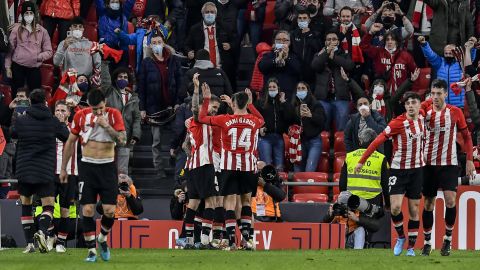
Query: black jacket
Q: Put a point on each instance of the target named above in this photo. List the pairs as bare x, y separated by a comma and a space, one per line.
277, 116
375, 121
216, 79
36, 132
313, 126
305, 45
183, 112
227, 17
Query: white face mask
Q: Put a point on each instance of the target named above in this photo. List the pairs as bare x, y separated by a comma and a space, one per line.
364, 108
77, 33
115, 6
28, 18
378, 90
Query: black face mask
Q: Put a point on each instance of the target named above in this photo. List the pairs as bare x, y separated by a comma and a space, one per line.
449, 59
388, 21
312, 9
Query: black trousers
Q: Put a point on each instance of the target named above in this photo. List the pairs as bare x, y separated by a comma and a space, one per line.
51, 24
22, 74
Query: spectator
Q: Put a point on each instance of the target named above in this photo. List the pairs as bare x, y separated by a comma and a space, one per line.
319, 23
214, 38
305, 43
74, 51
113, 14
158, 87
177, 156
473, 99
448, 68
179, 201
20, 103
349, 35
265, 206
6, 158
177, 14
391, 63
29, 47
452, 23
119, 96
282, 64
227, 16
250, 18
276, 112
420, 14
256, 84
129, 203
56, 14
388, 13
365, 118
285, 13
330, 89
194, 14
310, 115
359, 8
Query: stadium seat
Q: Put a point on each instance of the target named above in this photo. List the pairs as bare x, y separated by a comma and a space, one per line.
92, 14
13, 195
48, 91
335, 197
269, 25
336, 179
55, 40
323, 163
422, 84
338, 163
91, 31
325, 135
132, 56
339, 142
283, 176
7, 93
46, 71
310, 177
310, 198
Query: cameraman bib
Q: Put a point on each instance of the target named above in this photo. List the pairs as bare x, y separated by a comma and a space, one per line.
366, 184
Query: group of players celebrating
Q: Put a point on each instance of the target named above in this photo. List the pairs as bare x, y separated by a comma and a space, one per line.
424, 160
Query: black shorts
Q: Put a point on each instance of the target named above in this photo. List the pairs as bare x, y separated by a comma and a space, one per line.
440, 177
42, 190
201, 182
406, 181
66, 192
99, 179
237, 183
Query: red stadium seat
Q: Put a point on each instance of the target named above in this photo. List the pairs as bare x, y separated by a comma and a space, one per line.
310, 177
287, 143
46, 71
283, 176
131, 28
310, 198
7, 94
422, 84
325, 142
269, 25
48, 92
335, 197
132, 56
338, 164
13, 195
55, 40
339, 142
336, 179
92, 14
91, 31
323, 163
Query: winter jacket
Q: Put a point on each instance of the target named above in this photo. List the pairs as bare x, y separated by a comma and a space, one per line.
393, 68
323, 67
137, 40
183, 112
449, 72
332, 7
216, 79
61, 9
375, 121
77, 56
257, 81
313, 126
405, 31
29, 49
149, 85
107, 23
36, 132
287, 76
305, 45
277, 115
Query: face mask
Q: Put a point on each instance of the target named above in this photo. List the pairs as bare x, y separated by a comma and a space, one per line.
450, 59
278, 46
77, 33
302, 25
302, 95
312, 9
115, 6
347, 24
157, 49
209, 18
364, 107
121, 84
391, 51
83, 86
28, 19
273, 94
378, 90
223, 2
388, 21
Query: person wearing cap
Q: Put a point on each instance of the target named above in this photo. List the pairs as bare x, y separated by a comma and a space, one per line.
30, 46
159, 80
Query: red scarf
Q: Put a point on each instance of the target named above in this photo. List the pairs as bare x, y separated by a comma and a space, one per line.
378, 104
357, 55
107, 51
418, 13
295, 147
67, 89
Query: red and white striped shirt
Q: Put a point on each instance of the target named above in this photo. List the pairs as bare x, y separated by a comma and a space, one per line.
201, 139
441, 135
84, 124
408, 139
239, 137
72, 168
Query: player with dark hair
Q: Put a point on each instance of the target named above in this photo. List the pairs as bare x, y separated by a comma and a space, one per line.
238, 162
442, 122
100, 128
406, 173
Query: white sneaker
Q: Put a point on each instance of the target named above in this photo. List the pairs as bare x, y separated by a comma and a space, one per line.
50, 243
29, 249
60, 249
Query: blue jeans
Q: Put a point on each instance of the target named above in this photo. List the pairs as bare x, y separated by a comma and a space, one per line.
338, 108
255, 28
271, 149
311, 151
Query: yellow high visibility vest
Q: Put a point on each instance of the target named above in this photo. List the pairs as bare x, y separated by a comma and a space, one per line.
56, 211
365, 184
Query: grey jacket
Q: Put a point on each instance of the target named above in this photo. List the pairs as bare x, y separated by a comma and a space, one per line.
77, 56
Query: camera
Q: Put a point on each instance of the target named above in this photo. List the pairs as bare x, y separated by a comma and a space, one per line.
124, 186
469, 181
347, 201
340, 209
269, 174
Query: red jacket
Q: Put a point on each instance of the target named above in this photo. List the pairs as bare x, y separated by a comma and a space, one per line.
62, 9
256, 83
403, 62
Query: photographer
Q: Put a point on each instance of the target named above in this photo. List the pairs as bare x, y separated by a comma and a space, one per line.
129, 204
179, 200
21, 101
265, 206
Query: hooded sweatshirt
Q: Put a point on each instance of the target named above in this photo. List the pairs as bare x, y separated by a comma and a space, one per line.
77, 56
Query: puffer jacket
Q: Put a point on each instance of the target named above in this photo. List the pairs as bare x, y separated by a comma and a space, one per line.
36, 132
107, 24
216, 79
449, 72
256, 83
277, 115
61, 9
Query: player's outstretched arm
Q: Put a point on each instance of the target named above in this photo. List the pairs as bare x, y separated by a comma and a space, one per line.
252, 108
373, 146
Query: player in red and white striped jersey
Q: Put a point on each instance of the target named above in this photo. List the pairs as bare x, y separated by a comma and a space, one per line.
442, 122
201, 170
406, 174
238, 162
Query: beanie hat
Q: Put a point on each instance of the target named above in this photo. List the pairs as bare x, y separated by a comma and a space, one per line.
28, 6
202, 54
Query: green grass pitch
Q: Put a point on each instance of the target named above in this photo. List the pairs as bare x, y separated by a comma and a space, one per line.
141, 259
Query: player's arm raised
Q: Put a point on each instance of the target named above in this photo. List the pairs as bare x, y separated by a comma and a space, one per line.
196, 96
203, 116
252, 108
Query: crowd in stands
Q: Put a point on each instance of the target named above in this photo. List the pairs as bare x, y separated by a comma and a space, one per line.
324, 70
